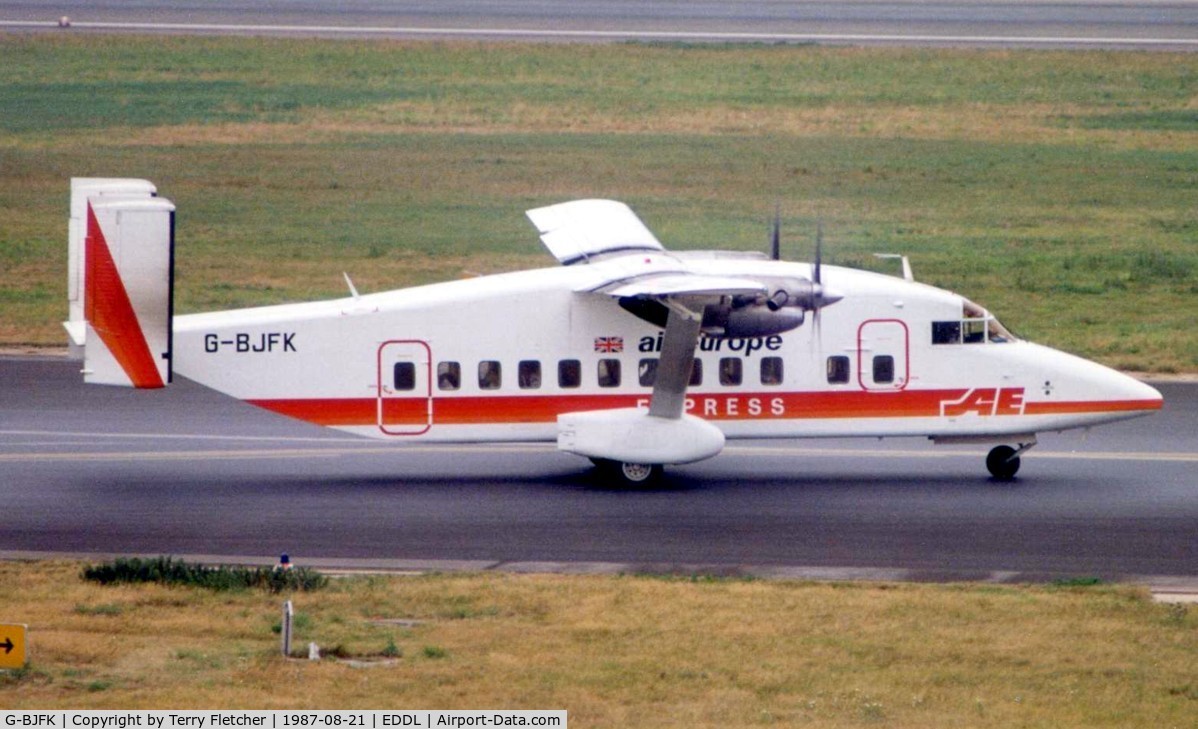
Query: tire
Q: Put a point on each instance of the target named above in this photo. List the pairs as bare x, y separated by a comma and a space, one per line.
1001, 463
639, 474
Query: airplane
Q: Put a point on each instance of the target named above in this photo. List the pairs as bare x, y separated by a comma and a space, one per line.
627, 354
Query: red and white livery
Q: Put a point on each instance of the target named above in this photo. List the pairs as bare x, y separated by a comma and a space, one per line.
627, 354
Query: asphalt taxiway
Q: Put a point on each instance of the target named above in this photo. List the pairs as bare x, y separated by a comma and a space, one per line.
89, 471
1145, 24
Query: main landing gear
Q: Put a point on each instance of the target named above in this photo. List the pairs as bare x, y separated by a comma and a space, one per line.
631, 475
1003, 461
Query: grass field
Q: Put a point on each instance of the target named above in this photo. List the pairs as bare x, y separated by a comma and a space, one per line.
618, 651
1056, 188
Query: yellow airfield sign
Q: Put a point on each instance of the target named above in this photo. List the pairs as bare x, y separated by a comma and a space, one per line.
12, 645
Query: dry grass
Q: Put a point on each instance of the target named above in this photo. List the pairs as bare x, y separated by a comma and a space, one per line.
980, 122
618, 651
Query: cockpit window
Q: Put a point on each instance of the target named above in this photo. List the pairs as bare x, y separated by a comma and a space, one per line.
976, 326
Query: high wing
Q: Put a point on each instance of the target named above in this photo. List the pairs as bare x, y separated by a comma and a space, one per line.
577, 231
632, 266
582, 231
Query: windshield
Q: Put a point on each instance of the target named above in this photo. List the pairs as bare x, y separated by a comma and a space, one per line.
976, 326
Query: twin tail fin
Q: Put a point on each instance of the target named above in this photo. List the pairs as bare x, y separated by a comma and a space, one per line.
120, 281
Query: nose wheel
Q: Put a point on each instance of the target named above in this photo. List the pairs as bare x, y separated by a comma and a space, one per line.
1003, 461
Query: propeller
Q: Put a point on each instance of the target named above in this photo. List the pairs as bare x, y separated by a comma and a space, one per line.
795, 293
820, 295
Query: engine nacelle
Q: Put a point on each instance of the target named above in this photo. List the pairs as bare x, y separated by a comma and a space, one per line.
750, 321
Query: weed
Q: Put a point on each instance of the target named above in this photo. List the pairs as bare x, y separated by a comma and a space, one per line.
1175, 613
1188, 691
392, 650
1078, 582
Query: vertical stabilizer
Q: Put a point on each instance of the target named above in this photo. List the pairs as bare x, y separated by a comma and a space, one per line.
84, 189
126, 252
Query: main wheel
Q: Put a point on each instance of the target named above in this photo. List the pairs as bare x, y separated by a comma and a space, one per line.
639, 474
1002, 463
629, 474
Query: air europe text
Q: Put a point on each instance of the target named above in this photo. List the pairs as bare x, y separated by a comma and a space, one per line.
747, 345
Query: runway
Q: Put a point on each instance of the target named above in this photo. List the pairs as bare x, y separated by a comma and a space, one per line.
1143, 24
183, 471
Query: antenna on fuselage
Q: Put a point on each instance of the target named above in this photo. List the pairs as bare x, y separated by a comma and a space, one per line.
907, 273
352, 290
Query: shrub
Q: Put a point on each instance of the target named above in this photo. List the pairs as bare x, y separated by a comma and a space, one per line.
169, 571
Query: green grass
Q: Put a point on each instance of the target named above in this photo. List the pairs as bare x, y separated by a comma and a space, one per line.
1056, 188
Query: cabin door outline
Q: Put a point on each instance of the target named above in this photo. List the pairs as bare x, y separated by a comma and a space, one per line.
405, 387
881, 338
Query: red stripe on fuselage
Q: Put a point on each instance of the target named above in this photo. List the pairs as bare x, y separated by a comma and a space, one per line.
1090, 406
107, 308
500, 409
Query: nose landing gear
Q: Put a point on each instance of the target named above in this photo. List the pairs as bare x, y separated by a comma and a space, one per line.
1003, 461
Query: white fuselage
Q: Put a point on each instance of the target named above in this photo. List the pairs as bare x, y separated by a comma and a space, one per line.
498, 358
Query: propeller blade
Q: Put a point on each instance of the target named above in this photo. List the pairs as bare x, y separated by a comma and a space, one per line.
819, 248
776, 237
817, 275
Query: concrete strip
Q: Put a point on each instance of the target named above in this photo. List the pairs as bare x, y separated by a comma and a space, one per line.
1164, 588
615, 35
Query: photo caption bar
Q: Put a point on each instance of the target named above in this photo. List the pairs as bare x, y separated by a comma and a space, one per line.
145, 719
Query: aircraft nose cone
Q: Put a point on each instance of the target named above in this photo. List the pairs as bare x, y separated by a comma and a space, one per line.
1092, 392
1124, 393
1135, 390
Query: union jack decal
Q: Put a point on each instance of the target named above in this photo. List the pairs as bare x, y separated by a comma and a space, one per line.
609, 344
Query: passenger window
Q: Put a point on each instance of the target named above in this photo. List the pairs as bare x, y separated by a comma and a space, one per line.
404, 376
528, 374
771, 370
569, 373
838, 370
609, 373
449, 375
946, 332
489, 375
646, 372
731, 371
883, 369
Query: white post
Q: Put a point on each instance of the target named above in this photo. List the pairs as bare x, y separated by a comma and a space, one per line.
287, 612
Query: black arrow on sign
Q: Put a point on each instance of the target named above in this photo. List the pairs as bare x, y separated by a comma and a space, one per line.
7, 645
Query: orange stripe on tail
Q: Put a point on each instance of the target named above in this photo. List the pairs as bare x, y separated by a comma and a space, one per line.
108, 309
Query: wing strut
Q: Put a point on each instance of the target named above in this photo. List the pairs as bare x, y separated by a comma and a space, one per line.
677, 360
